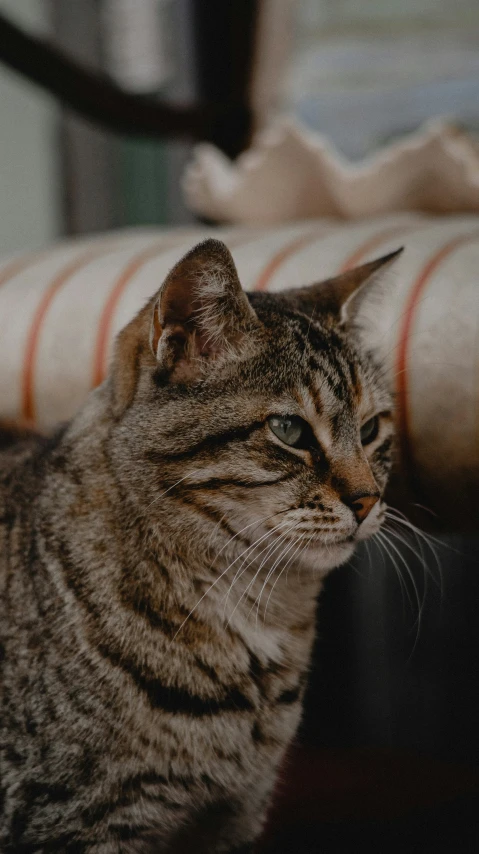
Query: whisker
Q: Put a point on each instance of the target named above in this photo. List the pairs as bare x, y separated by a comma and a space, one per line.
290, 559
428, 539
307, 335
368, 552
252, 548
283, 554
409, 572
208, 543
250, 584
353, 563
222, 574
414, 585
281, 572
190, 474
270, 573
246, 528
403, 520
383, 542
423, 507
421, 557
377, 543
242, 569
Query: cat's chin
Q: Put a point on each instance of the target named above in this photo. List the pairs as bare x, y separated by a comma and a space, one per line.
324, 558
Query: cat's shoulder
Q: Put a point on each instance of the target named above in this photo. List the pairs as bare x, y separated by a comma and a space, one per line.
18, 444
14, 435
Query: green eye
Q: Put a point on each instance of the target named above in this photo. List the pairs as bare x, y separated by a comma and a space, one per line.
370, 430
291, 430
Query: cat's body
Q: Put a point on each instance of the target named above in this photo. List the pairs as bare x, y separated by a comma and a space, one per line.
153, 658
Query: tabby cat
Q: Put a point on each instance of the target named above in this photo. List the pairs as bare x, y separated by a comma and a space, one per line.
154, 644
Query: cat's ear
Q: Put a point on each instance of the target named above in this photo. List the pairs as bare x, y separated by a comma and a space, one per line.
341, 297
201, 312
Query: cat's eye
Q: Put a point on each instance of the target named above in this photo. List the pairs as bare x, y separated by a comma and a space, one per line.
292, 430
370, 430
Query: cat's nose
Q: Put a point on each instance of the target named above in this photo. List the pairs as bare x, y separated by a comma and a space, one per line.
361, 504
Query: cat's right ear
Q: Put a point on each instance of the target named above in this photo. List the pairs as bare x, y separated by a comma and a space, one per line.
200, 315
343, 297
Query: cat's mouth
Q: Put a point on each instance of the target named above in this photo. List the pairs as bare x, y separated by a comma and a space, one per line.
339, 534
317, 538
332, 548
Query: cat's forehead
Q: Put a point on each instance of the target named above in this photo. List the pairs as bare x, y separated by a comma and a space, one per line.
313, 351
322, 367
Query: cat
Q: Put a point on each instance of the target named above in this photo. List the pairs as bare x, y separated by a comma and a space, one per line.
154, 649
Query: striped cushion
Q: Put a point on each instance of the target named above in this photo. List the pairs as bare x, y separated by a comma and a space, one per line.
60, 310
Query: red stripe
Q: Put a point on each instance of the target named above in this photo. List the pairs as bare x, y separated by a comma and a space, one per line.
280, 257
371, 244
18, 265
29, 363
405, 333
106, 319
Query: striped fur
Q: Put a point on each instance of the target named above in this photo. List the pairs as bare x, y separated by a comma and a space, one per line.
154, 648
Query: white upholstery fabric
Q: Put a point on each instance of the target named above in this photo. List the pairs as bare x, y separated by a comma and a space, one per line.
60, 310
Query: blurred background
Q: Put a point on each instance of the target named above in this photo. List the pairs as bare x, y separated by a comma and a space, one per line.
363, 72
390, 741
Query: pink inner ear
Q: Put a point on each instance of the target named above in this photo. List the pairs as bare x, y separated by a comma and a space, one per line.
178, 341
172, 317
176, 304
176, 318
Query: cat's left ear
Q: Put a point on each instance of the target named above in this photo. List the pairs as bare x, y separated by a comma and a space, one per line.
201, 313
341, 297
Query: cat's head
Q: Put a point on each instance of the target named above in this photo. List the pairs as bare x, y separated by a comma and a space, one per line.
255, 414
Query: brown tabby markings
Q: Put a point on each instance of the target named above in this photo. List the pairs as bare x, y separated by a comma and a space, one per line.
153, 648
